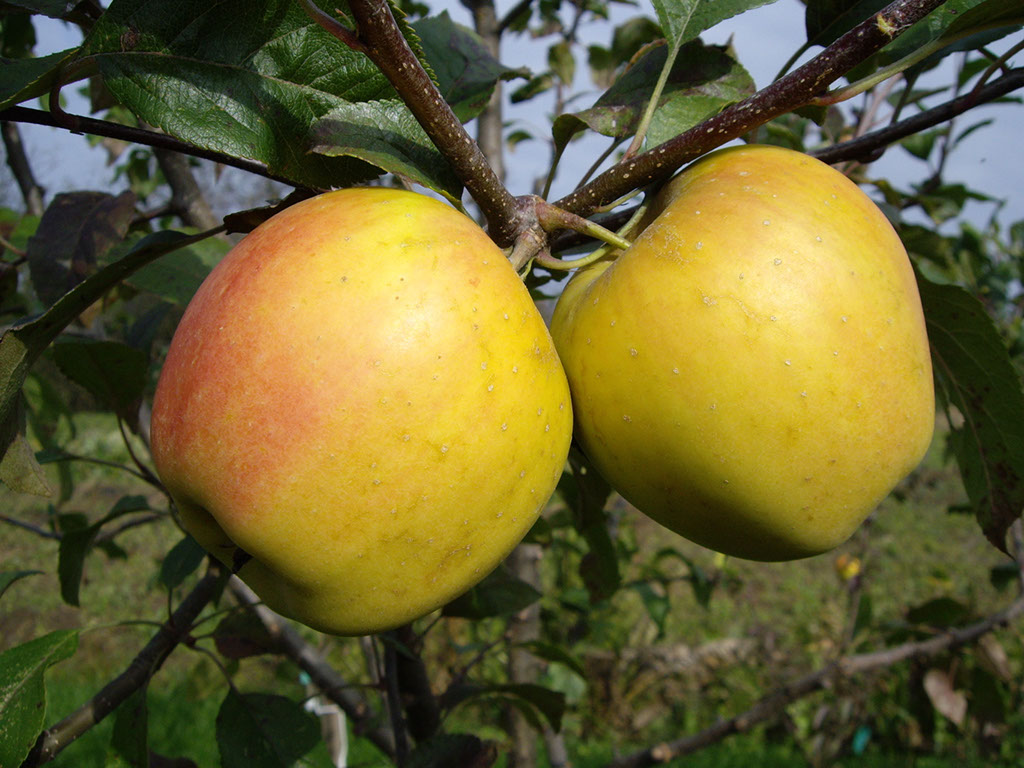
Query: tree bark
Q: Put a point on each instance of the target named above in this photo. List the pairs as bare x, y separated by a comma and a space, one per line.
17, 159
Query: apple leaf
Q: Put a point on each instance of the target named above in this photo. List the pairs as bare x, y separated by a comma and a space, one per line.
530, 699
957, 20
386, 134
585, 492
828, 20
702, 81
7, 578
941, 613
182, 561
112, 372
24, 79
258, 730
177, 276
683, 20
23, 691
450, 749
130, 736
252, 82
465, 69
241, 634
498, 594
975, 376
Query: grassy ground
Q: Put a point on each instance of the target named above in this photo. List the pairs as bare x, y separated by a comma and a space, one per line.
795, 616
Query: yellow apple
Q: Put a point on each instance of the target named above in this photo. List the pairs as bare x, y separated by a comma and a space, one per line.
363, 398
753, 373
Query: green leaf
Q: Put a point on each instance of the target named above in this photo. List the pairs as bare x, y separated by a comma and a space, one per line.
657, 604
130, 736
257, 730
498, 594
112, 372
529, 698
181, 562
241, 634
975, 376
683, 20
251, 81
828, 20
386, 134
562, 62
9, 577
23, 691
466, 70
585, 492
703, 80
20, 470
451, 749
554, 653
177, 276
24, 79
958, 20
74, 546
941, 612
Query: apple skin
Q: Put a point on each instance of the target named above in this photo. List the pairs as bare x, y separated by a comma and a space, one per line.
363, 397
753, 372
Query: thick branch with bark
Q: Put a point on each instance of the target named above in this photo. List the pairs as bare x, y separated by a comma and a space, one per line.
870, 145
379, 37
784, 95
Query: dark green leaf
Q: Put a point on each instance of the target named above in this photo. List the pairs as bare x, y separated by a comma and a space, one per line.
562, 62
703, 80
498, 594
20, 470
130, 737
447, 750
56, 9
827, 20
177, 276
9, 577
74, 546
865, 615
241, 634
975, 376
254, 89
112, 372
465, 69
529, 698
683, 20
533, 87
586, 493
386, 134
657, 604
257, 730
23, 691
181, 562
1002, 575
554, 653
941, 612
920, 145
956, 20
24, 79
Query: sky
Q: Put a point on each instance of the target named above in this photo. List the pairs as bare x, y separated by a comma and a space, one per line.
991, 160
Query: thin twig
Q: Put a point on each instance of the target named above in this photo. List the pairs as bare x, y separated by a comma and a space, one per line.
870, 145
134, 135
380, 38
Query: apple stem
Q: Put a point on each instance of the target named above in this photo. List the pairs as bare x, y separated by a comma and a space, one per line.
553, 218
608, 250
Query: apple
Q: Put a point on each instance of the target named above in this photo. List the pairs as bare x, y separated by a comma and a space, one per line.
753, 372
363, 398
